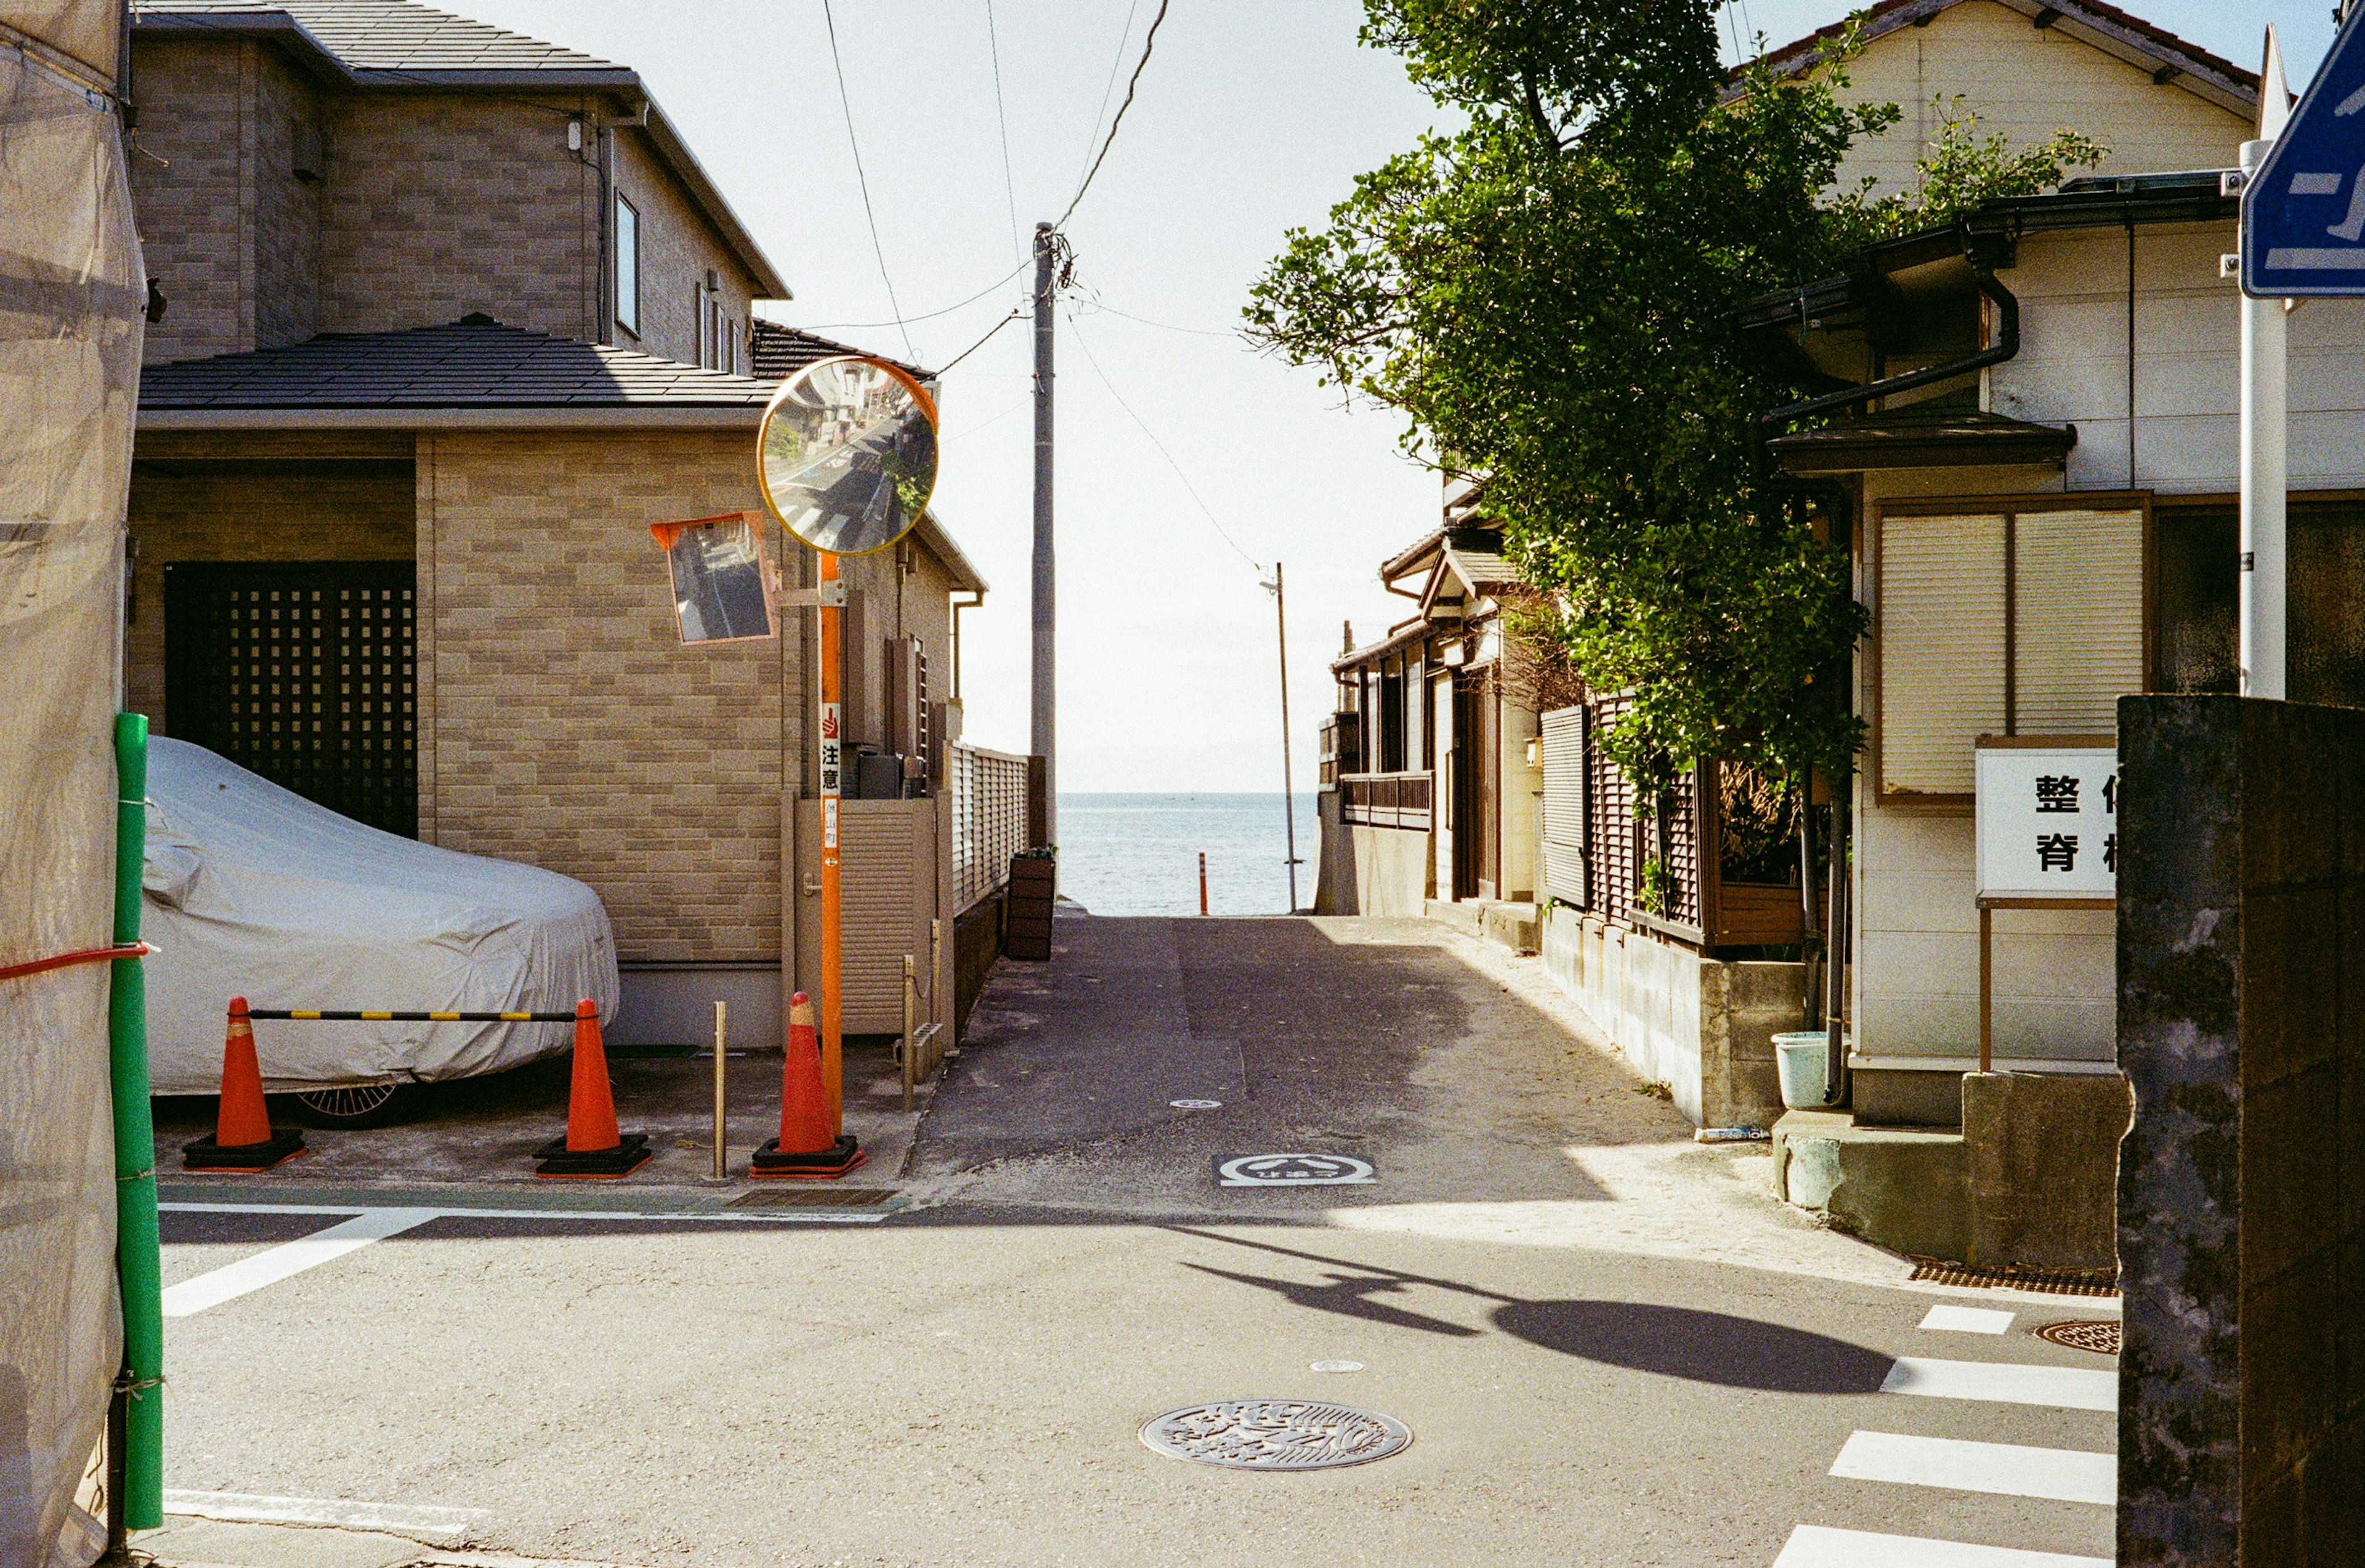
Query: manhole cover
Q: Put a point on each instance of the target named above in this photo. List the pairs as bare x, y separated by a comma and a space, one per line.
2099, 1335
1196, 1104
1291, 1170
1337, 1366
1276, 1434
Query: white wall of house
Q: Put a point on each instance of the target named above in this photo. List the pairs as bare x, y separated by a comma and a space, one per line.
1916, 972
2025, 83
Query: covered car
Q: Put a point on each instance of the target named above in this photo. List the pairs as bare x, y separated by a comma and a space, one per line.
254, 892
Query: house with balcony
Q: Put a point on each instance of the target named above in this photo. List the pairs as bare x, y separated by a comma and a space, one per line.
443, 318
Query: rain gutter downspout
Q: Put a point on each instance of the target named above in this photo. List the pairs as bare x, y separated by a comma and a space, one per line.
2006, 346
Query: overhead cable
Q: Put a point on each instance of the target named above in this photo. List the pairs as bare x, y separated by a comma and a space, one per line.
1009, 186
929, 315
1148, 42
1161, 445
846, 103
1014, 315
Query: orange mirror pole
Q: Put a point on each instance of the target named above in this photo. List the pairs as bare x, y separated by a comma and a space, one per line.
833, 931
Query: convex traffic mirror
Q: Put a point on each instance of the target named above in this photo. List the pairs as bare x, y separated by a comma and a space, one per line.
723, 585
846, 456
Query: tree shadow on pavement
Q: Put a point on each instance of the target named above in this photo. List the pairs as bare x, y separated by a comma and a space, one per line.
1673, 1341
1701, 1347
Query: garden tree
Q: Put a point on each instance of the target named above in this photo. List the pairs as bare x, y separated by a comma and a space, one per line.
1550, 295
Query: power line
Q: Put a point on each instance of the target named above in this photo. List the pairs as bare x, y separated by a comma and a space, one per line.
1100, 305
1014, 315
846, 103
1009, 186
930, 316
1161, 445
1148, 42
1116, 64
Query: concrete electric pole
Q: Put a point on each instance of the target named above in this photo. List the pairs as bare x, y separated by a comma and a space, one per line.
1044, 740
1288, 798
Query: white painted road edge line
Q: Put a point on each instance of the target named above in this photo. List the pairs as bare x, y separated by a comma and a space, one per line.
1815, 1546
268, 1268
2009, 1470
1967, 1319
2005, 1383
435, 1527
751, 1217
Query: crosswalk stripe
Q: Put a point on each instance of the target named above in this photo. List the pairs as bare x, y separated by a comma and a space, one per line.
268, 1268
2069, 1388
2066, 1475
1818, 1546
1967, 1320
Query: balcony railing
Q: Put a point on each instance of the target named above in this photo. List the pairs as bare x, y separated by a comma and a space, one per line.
1385, 800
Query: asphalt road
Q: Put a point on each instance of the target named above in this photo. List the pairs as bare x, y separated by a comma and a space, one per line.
1610, 1346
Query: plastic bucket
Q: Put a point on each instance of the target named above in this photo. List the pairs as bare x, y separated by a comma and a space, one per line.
1799, 1054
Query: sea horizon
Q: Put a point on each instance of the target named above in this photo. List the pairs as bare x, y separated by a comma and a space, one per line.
1135, 852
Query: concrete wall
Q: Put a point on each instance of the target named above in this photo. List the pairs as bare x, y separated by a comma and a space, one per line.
1703, 1027
1370, 870
2025, 84
2241, 1228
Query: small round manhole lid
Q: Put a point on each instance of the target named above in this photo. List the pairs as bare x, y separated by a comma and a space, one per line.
2099, 1335
1276, 1434
1196, 1104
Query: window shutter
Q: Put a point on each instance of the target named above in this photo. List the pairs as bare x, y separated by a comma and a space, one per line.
1942, 648
2078, 620
1563, 804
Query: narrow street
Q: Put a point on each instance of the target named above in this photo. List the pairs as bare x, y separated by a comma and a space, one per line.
1609, 1344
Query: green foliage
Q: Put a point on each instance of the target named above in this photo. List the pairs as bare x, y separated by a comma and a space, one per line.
1960, 171
1548, 294
1657, 889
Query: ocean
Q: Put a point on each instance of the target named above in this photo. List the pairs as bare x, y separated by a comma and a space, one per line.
1140, 854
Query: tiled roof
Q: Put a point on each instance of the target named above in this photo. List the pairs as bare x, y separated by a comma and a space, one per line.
476, 363
383, 34
2096, 18
780, 352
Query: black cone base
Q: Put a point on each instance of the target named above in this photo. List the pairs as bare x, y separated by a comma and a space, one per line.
768, 1163
632, 1152
284, 1144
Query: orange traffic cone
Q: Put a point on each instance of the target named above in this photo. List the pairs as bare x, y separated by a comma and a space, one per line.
592, 1148
806, 1146
243, 1137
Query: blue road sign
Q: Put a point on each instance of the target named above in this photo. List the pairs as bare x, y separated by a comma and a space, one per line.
2303, 212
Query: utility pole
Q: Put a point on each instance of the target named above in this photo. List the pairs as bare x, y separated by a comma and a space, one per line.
1288, 796
1044, 738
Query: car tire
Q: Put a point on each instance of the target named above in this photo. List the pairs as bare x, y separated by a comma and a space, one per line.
354, 1104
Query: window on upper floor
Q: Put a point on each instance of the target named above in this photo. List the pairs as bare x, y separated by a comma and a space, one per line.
628, 265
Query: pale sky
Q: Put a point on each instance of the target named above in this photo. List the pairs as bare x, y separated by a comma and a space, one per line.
1253, 116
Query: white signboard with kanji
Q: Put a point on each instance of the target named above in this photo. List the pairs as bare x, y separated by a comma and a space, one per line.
2047, 821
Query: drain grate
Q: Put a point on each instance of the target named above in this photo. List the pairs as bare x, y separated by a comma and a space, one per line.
815, 1198
1276, 1434
2055, 1281
2098, 1335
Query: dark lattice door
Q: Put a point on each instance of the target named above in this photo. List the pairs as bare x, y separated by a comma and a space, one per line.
302, 671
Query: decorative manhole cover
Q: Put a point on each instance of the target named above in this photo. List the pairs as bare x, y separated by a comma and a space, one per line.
1196, 1104
1276, 1434
1291, 1170
2099, 1335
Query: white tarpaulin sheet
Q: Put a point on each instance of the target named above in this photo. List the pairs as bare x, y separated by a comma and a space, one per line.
71, 288
255, 891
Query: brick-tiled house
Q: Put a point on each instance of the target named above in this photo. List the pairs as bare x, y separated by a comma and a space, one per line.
451, 316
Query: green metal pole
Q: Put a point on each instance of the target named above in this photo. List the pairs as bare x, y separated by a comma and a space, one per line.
136, 1262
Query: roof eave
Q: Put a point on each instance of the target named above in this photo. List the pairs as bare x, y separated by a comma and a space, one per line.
965, 578
670, 146
280, 25
486, 417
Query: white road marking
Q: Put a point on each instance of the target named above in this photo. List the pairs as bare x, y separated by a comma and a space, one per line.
2066, 1475
435, 1527
747, 1216
1967, 1319
2068, 1388
1816, 1546
268, 1268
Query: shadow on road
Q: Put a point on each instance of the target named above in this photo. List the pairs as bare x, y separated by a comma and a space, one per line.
1700, 1347
1349, 1295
